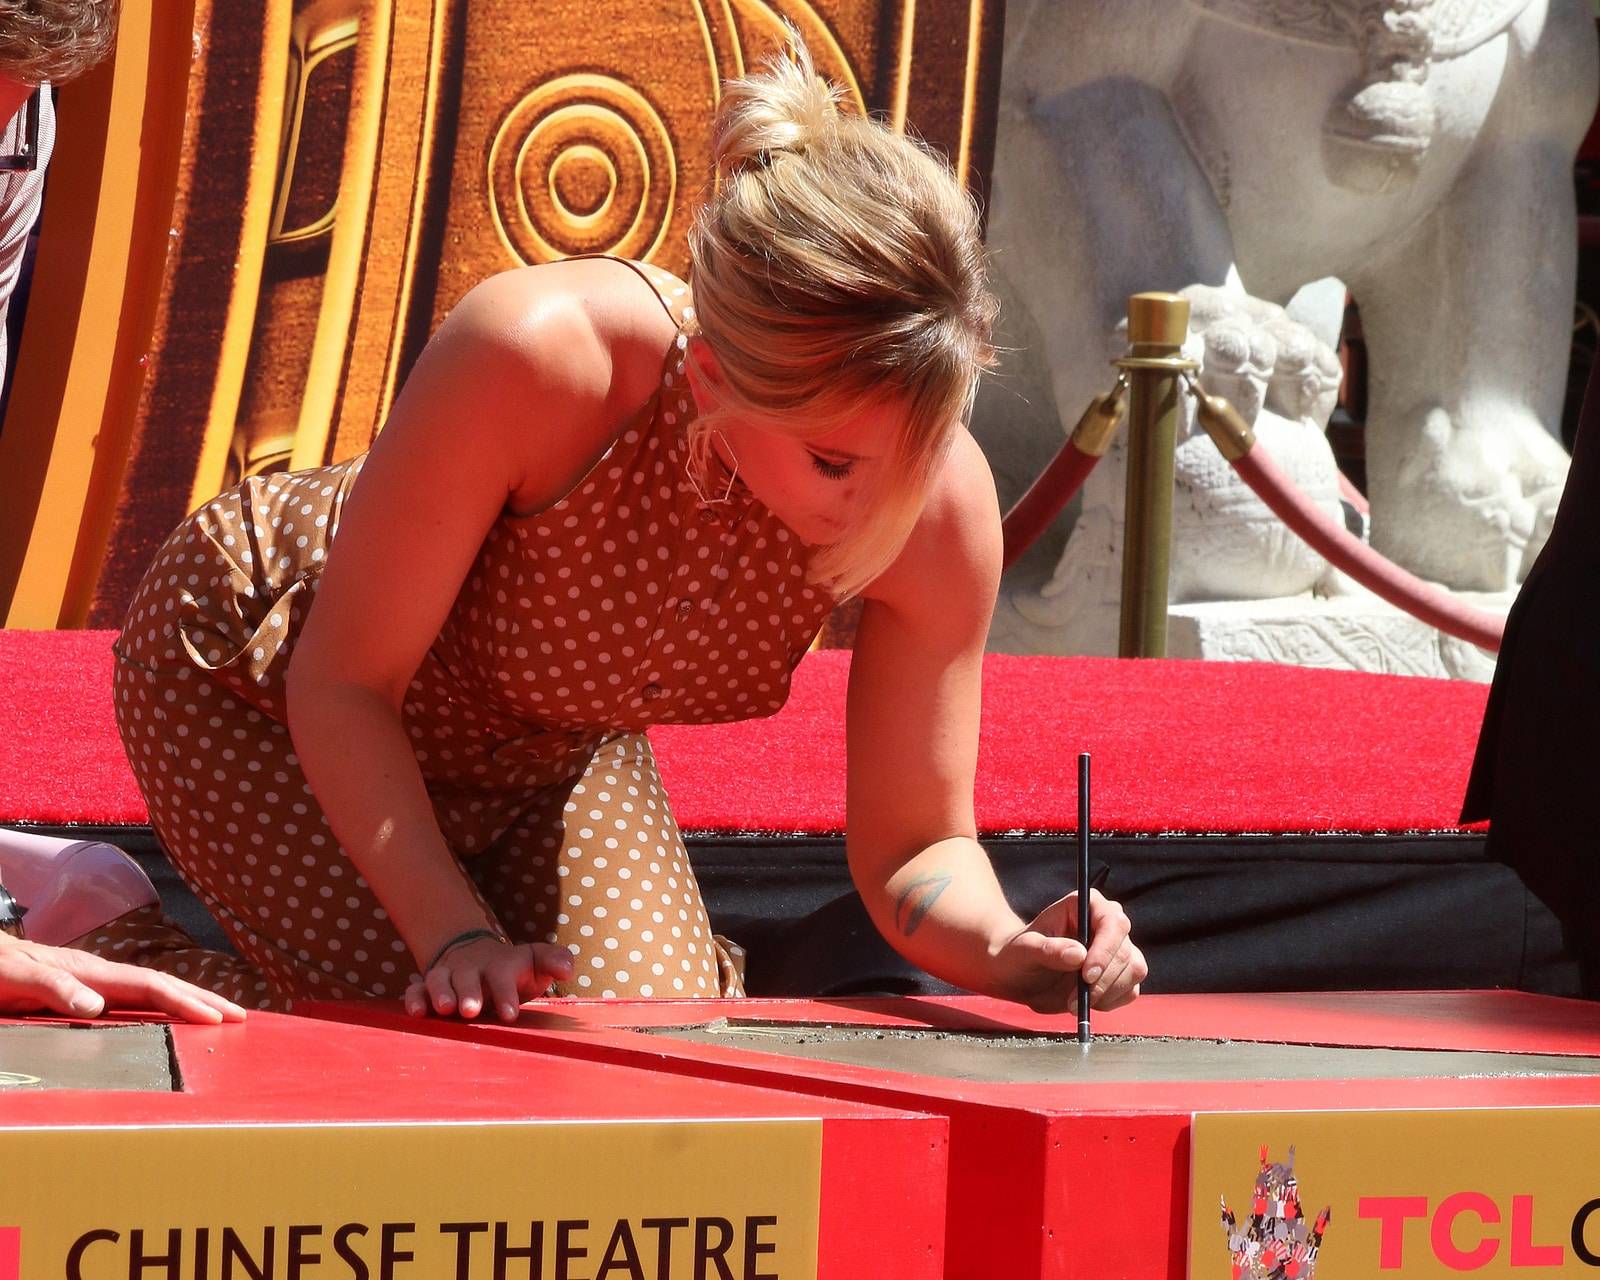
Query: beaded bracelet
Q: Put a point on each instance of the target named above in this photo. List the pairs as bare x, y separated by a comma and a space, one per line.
471, 935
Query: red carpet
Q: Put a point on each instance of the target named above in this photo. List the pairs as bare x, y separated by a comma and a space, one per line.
1188, 747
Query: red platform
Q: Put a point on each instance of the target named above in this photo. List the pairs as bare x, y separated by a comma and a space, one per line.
419, 1128
1084, 1179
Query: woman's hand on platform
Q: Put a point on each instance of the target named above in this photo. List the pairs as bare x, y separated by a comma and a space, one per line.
35, 978
1040, 965
488, 974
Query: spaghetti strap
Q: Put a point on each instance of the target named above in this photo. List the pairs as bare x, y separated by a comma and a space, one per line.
643, 271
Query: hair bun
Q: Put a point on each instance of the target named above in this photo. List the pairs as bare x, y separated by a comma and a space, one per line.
784, 107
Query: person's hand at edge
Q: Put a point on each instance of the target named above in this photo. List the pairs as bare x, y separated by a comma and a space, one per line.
35, 978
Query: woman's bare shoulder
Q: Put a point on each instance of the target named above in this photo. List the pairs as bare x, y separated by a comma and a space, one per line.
592, 323
579, 348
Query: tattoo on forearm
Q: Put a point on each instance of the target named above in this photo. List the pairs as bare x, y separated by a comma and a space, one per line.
917, 899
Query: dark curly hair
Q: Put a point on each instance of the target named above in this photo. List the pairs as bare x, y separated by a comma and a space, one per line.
55, 39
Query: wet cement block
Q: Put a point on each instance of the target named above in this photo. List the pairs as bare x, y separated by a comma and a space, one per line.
1060, 1059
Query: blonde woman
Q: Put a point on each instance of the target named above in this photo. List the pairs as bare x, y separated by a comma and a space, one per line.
601, 503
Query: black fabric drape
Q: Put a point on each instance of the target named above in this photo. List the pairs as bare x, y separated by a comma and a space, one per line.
1537, 769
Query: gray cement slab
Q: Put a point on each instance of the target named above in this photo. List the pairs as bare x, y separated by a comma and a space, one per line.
1050, 1059
98, 1057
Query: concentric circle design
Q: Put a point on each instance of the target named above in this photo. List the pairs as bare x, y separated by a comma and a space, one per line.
583, 185
583, 164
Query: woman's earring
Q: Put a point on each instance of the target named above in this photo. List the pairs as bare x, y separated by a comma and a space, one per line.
727, 492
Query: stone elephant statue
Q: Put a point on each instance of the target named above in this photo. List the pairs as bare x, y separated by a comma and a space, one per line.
1419, 151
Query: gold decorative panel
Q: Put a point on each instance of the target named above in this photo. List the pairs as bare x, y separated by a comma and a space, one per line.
347, 169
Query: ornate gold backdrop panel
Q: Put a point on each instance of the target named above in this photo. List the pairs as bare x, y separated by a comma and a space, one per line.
347, 169
584, 128
82, 378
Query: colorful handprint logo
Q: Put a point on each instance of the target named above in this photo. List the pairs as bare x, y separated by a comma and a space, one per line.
1274, 1243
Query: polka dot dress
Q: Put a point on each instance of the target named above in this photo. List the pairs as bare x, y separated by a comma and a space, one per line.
642, 597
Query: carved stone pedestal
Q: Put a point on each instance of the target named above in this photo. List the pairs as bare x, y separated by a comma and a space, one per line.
1358, 633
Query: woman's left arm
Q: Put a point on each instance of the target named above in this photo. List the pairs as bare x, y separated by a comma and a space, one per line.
912, 725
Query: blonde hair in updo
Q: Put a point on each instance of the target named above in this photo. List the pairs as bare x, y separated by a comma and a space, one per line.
837, 264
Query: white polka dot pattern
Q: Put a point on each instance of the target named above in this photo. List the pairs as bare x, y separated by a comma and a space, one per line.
628, 603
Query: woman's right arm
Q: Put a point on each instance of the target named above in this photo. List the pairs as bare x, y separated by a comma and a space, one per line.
517, 359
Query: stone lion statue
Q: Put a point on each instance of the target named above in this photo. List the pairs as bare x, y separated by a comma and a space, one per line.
1418, 151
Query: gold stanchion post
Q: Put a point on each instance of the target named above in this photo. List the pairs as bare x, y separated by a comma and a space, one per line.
1157, 326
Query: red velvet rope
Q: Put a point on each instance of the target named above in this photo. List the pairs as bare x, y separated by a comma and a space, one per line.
1045, 498
1349, 554
1065, 475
